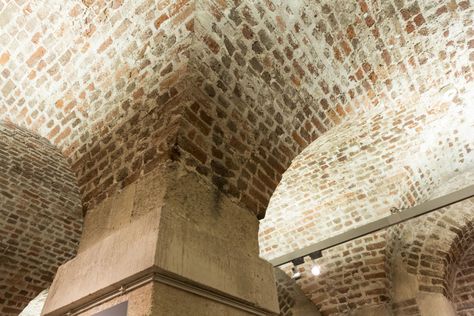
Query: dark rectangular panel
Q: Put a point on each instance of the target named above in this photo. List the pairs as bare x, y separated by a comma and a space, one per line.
117, 310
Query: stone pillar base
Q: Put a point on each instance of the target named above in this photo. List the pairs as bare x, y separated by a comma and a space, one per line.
195, 251
161, 294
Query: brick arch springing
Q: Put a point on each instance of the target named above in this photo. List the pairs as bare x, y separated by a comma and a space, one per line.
433, 246
117, 62
354, 276
463, 290
460, 270
41, 215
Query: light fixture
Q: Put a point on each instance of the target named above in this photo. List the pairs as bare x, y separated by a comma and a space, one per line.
296, 274
315, 269
297, 261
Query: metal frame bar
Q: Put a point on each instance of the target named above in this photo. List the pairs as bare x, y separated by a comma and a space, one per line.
424, 208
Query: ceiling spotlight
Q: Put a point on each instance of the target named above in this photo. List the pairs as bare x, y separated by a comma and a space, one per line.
296, 274
316, 270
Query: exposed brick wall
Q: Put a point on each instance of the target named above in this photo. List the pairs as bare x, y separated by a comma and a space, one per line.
81, 72
359, 274
276, 75
464, 285
291, 298
73, 70
40, 216
379, 93
406, 308
465, 177
286, 299
353, 275
130, 150
360, 169
300, 69
433, 245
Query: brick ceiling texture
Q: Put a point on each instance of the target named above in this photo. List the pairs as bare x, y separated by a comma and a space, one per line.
371, 100
40, 216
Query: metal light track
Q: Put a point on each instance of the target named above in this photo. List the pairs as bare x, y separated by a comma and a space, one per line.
424, 208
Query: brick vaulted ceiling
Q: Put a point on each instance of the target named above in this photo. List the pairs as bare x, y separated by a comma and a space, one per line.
237, 89
361, 170
261, 79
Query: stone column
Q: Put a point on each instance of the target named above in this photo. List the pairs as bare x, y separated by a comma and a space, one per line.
169, 244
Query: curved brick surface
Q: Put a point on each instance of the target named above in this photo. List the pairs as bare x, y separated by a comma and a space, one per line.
275, 76
371, 100
464, 285
435, 249
359, 170
40, 216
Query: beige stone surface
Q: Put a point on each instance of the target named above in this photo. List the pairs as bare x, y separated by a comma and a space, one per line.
434, 304
404, 285
380, 310
140, 302
174, 302
108, 217
133, 202
170, 221
126, 253
160, 299
208, 239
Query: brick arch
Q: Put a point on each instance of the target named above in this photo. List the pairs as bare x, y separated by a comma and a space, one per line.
298, 71
291, 299
273, 77
460, 266
433, 246
359, 170
110, 66
41, 215
354, 174
463, 289
354, 276
118, 61
358, 275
